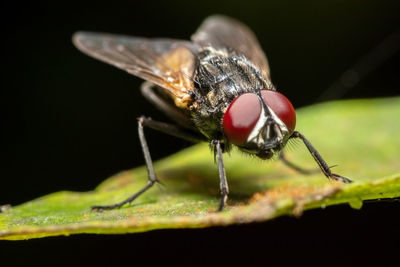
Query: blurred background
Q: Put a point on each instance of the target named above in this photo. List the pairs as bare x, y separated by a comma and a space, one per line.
70, 121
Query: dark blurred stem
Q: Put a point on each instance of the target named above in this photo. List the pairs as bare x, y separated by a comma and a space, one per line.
364, 66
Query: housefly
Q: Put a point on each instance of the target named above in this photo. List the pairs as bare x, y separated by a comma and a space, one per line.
215, 88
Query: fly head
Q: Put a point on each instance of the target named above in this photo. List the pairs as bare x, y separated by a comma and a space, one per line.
260, 123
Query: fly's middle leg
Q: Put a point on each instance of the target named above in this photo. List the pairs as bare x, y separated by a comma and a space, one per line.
295, 167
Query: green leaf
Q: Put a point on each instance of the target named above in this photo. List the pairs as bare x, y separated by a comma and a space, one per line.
359, 135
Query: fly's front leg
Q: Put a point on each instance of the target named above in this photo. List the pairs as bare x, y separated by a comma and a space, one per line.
223, 184
317, 157
150, 170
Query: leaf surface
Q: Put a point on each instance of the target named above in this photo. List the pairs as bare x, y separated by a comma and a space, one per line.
359, 135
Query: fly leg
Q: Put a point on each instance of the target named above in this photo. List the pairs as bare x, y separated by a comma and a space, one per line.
317, 157
223, 184
152, 179
294, 166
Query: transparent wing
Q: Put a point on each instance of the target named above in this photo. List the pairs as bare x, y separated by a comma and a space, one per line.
223, 32
165, 62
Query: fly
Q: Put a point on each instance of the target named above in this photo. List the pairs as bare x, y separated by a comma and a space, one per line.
215, 88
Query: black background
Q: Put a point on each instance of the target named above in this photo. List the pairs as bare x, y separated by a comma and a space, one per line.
70, 122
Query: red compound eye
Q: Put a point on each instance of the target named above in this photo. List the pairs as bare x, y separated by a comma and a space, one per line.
281, 106
241, 117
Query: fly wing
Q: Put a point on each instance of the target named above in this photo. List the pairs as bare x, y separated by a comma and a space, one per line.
165, 62
226, 33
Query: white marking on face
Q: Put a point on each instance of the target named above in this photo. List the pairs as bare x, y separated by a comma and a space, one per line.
256, 135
